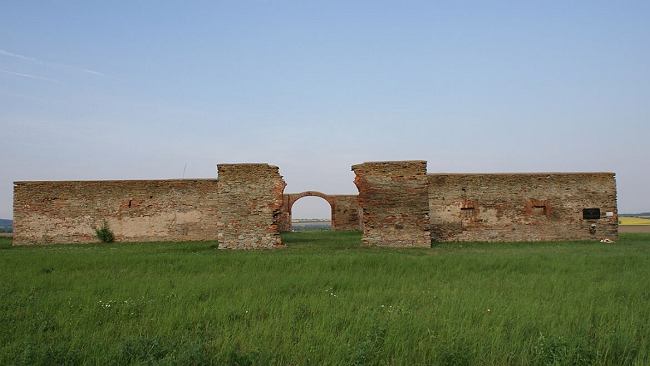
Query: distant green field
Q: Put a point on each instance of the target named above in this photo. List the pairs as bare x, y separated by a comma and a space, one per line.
325, 300
311, 226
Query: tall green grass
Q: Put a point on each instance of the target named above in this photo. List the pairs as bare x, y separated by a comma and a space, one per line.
326, 300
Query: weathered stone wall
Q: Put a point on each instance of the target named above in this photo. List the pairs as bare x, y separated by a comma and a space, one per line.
393, 199
345, 213
344, 210
398, 205
147, 210
250, 202
284, 221
522, 207
240, 209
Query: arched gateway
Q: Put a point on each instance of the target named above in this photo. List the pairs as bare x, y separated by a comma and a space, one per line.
344, 208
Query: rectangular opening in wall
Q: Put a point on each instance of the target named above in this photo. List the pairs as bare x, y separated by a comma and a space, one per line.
467, 211
591, 213
539, 209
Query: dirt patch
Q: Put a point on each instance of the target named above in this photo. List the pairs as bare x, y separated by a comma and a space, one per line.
634, 229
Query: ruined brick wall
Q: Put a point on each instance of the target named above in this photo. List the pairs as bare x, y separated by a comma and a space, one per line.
522, 207
284, 221
240, 209
344, 210
147, 210
398, 205
393, 197
250, 201
345, 213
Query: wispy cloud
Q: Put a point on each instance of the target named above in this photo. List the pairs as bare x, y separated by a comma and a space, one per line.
15, 55
93, 72
29, 76
54, 64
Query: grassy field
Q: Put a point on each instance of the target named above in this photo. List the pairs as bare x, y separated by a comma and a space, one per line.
628, 220
325, 300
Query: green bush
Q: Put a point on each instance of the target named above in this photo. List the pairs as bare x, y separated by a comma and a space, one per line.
104, 233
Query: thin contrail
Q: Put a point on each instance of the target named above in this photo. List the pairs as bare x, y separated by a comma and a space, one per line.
30, 76
15, 55
35, 60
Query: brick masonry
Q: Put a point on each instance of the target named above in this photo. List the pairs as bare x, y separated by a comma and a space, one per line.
522, 207
250, 198
398, 205
393, 200
344, 210
241, 209
345, 213
67, 211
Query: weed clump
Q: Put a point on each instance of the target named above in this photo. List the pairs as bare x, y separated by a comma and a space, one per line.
104, 233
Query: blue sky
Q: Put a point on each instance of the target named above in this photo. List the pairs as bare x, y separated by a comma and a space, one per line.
142, 89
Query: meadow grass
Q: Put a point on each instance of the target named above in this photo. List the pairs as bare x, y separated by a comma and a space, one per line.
325, 300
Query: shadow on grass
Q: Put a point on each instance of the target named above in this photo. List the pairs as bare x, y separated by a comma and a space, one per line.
188, 246
5, 243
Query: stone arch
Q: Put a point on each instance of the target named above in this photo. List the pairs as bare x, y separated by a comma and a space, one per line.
344, 213
291, 198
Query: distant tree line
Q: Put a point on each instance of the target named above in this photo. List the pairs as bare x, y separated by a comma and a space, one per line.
642, 214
